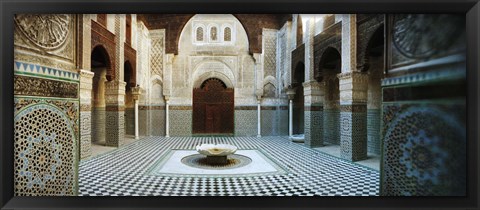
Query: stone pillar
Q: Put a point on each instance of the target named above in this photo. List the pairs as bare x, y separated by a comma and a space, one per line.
115, 109
293, 39
167, 117
136, 96
353, 96
86, 44
353, 115
289, 48
86, 78
349, 43
119, 20
309, 49
314, 92
291, 96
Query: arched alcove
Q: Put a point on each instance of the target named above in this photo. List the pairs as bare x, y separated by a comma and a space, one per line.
329, 67
100, 62
299, 99
129, 103
374, 65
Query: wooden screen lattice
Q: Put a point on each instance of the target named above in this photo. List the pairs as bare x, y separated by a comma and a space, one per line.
213, 107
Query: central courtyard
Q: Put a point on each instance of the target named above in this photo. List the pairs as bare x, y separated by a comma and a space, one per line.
137, 169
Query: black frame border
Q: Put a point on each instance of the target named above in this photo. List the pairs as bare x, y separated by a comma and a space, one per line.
471, 8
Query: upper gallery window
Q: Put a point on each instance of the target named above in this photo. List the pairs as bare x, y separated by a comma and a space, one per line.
213, 33
199, 34
227, 34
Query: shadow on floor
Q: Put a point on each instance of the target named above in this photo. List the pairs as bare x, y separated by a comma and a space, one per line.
99, 148
373, 161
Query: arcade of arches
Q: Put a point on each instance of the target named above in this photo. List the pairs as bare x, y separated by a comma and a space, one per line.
373, 101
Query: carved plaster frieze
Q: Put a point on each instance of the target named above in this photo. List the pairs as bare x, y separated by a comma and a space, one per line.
353, 87
313, 99
86, 79
313, 88
47, 31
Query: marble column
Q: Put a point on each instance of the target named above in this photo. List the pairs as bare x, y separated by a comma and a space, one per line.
86, 80
291, 96
290, 117
313, 121
353, 115
259, 75
167, 117
136, 96
259, 121
115, 109
167, 89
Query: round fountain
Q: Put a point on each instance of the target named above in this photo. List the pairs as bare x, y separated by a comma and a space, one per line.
216, 153
299, 138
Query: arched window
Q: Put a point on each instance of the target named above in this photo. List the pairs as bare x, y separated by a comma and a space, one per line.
227, 34
213, 34
199, 34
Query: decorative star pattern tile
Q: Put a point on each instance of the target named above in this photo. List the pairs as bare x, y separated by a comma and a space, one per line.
122, 172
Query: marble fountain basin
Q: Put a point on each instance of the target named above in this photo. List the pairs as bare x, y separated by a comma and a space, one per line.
298, 138
216, 153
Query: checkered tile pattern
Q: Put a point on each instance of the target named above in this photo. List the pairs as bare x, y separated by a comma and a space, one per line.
122, 172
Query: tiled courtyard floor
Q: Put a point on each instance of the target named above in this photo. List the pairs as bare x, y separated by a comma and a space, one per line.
308, 172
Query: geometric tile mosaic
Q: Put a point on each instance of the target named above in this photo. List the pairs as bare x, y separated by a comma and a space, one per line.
246, 122
45, 143
353, 135
424, 150
271, 122
313, 128
373, 131
123, 172
332, 126
22, 67
180, 122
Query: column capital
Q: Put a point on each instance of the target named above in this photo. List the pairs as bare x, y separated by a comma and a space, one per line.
257, 57
136, 91
259, 94
290, 92
169, 58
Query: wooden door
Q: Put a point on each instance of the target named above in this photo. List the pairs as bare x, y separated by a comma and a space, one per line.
212, 118
213, 108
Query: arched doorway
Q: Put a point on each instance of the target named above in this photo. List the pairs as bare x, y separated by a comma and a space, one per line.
129, 104
374, 65
213, 108
299, 99
99, 63
329, 67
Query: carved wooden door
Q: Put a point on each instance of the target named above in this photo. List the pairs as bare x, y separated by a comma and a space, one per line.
213, 108
212, 118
